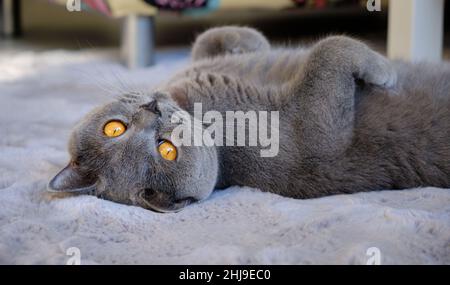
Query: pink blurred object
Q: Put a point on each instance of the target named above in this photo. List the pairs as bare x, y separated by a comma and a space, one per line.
99, 5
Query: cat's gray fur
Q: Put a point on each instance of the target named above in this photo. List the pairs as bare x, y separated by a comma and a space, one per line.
350, 121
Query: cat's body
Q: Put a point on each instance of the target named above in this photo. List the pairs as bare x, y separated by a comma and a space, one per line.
401, 137
350, 120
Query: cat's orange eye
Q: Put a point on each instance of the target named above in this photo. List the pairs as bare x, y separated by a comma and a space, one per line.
114, 129
167, 150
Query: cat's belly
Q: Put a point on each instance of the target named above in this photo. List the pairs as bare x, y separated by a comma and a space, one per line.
273, 166
400, 141
402, 137
262, 69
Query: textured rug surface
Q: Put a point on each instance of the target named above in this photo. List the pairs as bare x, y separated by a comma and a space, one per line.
44, 94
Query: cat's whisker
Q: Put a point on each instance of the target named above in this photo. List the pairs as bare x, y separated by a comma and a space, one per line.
91, 80
94, 79
121, 83
116, 84
129, 84
108, 91
107, 83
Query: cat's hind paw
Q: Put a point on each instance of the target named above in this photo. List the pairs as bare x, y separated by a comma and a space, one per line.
228, 40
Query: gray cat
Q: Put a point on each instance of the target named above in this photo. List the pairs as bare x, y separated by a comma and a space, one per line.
350, 121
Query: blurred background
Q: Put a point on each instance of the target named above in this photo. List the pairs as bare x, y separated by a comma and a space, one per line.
139, 26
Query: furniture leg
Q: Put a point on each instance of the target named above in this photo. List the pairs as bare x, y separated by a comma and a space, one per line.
138, 41
10, 18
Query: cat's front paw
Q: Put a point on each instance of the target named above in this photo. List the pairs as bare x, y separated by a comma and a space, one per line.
357, 58
380, 72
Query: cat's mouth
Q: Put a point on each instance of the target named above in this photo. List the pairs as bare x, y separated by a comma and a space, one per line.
161, 202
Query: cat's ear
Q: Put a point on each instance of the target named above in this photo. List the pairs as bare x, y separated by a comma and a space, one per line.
69, 179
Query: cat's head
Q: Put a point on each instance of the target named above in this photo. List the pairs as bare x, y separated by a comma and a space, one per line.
123, 152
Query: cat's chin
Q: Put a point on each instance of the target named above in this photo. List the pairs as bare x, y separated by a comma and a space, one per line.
161, 203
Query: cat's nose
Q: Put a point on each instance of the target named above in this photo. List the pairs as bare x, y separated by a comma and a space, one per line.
152, 106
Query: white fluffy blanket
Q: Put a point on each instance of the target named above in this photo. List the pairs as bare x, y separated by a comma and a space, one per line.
43, 94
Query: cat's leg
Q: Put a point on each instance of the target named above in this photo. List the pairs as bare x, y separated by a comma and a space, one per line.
228, 40
326, 90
